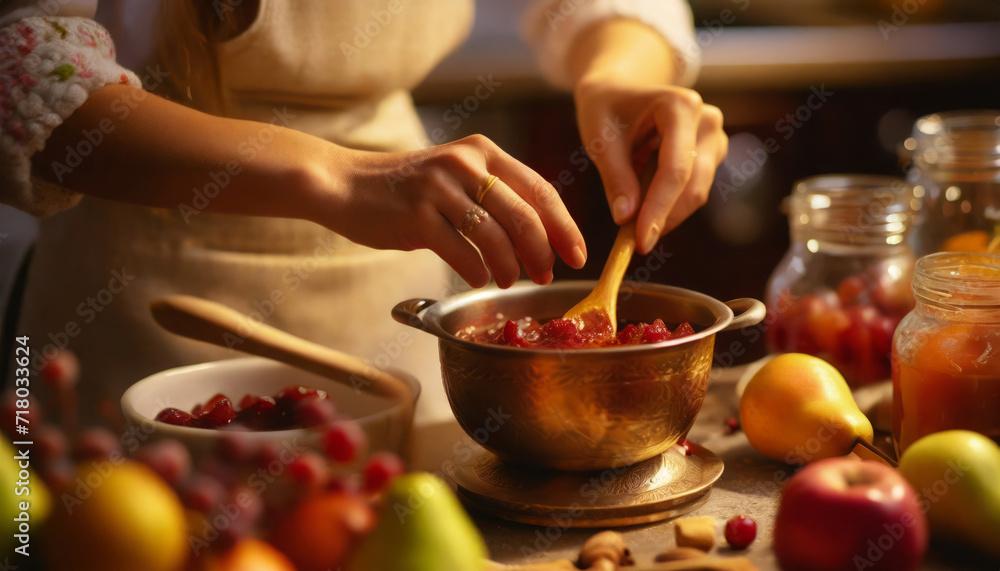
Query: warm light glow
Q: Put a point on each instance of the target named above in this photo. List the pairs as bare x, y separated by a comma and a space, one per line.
918, 191
803, 219
910, 143
819, 201
893, 240
813, 246
952, 193
966, 206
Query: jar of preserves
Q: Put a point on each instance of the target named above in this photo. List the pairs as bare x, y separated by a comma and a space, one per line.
955, 172
946, 352
844, 283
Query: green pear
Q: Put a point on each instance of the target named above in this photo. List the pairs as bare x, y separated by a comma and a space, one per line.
956, 475
421, 527
798, 409
15, 490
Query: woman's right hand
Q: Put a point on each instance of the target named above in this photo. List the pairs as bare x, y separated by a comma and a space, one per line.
419, 199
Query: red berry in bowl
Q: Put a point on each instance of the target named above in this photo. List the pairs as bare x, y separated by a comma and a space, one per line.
740, 531
315, 412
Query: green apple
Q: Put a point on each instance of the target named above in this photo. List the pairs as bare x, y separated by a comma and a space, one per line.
421, 527
955, 473
25, 502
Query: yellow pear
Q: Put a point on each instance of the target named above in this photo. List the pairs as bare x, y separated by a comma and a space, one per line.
421, 527
798, 409
955, 474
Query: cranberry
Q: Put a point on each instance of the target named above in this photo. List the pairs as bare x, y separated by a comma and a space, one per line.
344, 441
740, 531
308, 469
316, 412
380, 469
177, 417
513, 336
683, 330
686, 445
656, 332
219, 412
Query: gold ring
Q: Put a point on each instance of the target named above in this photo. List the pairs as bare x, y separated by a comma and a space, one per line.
473, 216
485, 187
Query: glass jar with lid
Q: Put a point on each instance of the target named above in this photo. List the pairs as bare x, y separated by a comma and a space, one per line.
955, 170
946, 352
844, 284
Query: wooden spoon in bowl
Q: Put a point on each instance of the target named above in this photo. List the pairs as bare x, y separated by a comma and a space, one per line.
212, 322
598, 311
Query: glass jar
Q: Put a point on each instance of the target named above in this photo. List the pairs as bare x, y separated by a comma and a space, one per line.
955, 170
946, 352
844, 283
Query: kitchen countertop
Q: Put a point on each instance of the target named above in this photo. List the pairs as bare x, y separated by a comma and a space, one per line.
748, 485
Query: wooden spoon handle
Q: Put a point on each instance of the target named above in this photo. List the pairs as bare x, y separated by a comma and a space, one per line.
212, 322
614, 268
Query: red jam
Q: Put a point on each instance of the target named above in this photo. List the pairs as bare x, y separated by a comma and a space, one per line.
278, 412
564, 333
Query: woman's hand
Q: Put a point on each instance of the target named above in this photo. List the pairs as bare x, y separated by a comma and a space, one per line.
627, 109
420, 199
689, 138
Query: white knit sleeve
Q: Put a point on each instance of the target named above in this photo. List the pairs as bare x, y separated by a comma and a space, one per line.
48, 68
551, 26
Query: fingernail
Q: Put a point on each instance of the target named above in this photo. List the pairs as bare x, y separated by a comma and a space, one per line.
651, 238
620, 209
579, 257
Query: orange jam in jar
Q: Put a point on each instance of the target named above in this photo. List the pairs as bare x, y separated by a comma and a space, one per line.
946, 352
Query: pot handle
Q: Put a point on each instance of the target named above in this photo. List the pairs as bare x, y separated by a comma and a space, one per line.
748, 311
407, 312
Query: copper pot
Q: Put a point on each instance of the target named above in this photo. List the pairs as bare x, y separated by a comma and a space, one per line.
583, 409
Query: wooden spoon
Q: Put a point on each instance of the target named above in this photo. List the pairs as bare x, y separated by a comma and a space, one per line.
212, 322
598, 311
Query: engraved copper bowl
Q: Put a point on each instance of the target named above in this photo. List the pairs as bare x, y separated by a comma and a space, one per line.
584, 409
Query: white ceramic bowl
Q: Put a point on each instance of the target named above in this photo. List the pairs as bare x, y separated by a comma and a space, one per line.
383, 421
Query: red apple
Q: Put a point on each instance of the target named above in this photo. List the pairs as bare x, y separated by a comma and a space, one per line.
844, 514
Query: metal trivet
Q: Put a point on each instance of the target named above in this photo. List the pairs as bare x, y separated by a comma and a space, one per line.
662, 487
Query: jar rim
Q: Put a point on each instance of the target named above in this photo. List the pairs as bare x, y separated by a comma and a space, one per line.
963, 140
933, 124
853, 209
958, 279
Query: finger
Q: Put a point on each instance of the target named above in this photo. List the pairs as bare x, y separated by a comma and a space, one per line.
444, 240
678, 123
711, 126
621, 186
538, 202
695, 193
483, 230
524, 228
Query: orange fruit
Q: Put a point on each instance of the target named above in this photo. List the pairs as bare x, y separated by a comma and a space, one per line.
117, 518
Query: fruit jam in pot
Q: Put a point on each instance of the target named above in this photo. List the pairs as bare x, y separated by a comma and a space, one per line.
946, 352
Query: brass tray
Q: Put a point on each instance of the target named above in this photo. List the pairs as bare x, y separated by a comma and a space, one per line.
665, 486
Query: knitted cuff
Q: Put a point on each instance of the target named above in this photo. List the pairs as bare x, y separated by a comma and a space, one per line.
552, 26
48, 68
